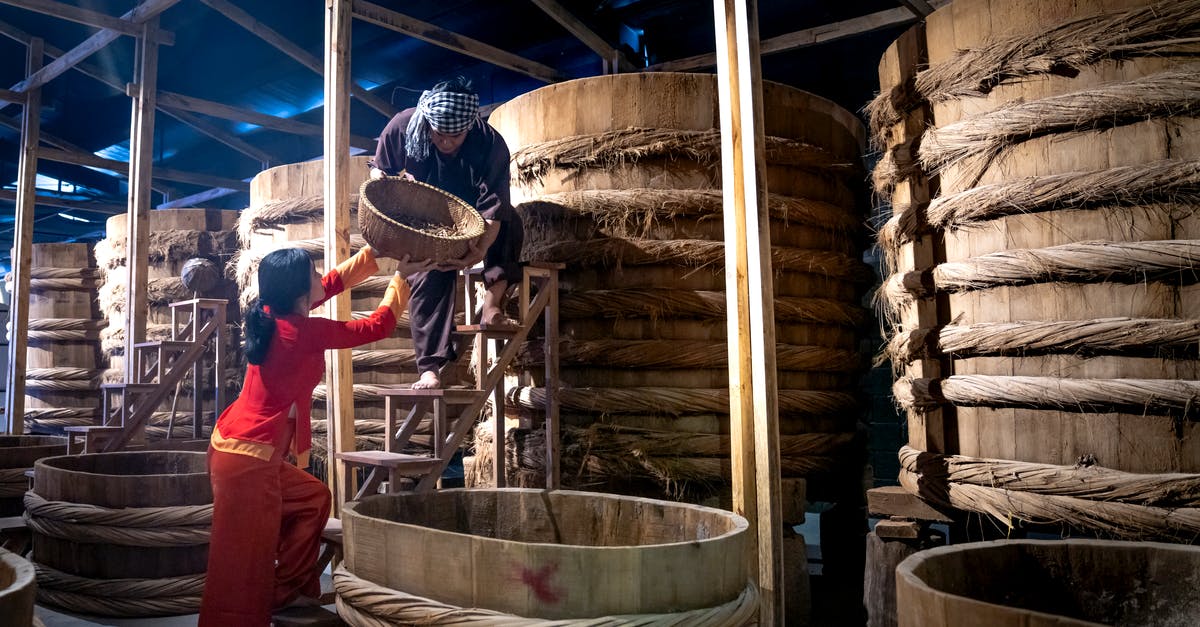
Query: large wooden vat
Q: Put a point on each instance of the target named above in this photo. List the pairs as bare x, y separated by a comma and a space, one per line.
176, 235
553, 555
618, 177
63, 365
17, 587
287, 209
1050, 584
121, 516
17, 455
1043, 248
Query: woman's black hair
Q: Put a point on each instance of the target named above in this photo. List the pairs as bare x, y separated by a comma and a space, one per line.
284, 276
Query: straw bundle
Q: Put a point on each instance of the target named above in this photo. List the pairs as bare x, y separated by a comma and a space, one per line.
274, 214
678, 401
658, 303
694, 253
1166, 28
1105, 336
613, 148
980, 139
678, 354
1138, 396
167, 246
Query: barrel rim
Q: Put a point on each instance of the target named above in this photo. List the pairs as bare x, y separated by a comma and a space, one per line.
739, 523
23, 573
906, 575
45, 462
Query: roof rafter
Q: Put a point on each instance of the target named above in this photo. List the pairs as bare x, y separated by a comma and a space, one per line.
88, 17
584, 34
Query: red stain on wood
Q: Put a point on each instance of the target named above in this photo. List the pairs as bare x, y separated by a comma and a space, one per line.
539, 581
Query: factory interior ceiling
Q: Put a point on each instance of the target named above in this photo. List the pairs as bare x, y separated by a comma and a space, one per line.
231, 104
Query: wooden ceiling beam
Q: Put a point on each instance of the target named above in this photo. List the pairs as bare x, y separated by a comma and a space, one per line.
240, 17
139, 14
88, 17
172, 100
584, 34
919, 8
801, 38
46, 200
430, 33
193, 178
195, 199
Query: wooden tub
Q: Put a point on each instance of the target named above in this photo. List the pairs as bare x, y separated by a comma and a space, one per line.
1050, 583
17, 455
17, 588
549, 555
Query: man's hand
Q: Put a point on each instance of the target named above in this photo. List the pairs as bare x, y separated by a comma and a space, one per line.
406, 266
478, 248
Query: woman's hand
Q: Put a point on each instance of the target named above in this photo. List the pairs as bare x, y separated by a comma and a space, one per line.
405, 266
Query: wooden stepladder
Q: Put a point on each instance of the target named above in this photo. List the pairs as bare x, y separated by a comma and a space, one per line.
153, 372
453, 411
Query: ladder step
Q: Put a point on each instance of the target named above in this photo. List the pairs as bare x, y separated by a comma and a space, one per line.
397, 461
97, 429
180, 344
300, 616
130, 387
208, 303
452, 396
493, 330
333, 531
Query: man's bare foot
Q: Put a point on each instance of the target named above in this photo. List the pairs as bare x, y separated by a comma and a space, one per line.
493, 305
429, 381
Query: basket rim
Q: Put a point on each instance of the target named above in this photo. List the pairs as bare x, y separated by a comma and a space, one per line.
365, 201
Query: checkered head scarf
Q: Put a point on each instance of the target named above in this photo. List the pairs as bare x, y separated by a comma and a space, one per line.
446, 111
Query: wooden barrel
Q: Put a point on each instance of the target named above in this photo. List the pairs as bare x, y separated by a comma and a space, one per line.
117, 481
625, 190
534, 553
176, 235
17, 454
17, 589
63, 364
287, 209
1043, 254
1049, 584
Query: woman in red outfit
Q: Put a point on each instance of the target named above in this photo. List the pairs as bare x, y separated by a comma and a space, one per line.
268, 514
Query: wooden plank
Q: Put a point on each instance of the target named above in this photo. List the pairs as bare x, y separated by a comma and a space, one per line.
139, 14
800, 39
896, 501
279, 42
22, 253
753, 396
75, 205
9, 95
172, 100
199, 198
220, 135
340, 369
88, 17
584, 34
141, 162
195, 178
919, 8
375, 14
898, 529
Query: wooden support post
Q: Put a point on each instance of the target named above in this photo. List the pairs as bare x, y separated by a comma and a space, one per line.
141, 160
550, 350
22, 253
339, 372
753, 396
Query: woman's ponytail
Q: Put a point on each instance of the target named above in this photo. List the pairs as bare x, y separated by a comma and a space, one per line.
258, 328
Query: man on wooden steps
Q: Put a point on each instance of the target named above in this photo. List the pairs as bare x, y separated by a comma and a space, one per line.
443, 142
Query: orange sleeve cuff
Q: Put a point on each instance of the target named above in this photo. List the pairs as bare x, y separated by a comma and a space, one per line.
358, 268
396, 297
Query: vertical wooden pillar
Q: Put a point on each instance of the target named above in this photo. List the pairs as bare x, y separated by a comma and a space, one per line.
339, 371
143, 91
22, 249
753, 395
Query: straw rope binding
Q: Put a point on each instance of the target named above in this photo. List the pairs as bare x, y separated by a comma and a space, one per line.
277, 213
660, 400
119, 597
1159, 29
1137, 396
656, 303
362, 603
678, 354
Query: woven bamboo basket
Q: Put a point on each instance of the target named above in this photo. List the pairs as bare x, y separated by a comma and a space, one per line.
399, 217
1042, 163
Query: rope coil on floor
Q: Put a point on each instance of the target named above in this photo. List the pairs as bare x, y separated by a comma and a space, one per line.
364, 604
